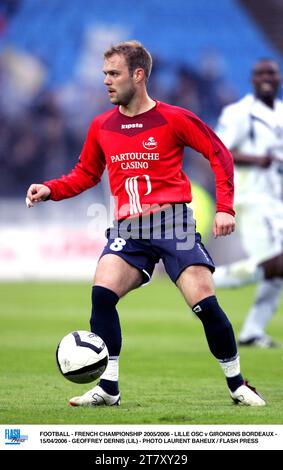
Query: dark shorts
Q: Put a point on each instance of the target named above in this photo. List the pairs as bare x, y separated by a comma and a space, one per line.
168, 235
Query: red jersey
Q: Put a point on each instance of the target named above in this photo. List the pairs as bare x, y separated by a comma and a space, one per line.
144, 156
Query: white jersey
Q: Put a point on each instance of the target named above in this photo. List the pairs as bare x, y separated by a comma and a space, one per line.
252, 128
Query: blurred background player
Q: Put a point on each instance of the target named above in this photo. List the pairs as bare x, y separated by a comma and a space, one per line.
159, 132
252, 129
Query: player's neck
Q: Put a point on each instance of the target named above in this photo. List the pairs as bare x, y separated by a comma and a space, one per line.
138, 105
267, 100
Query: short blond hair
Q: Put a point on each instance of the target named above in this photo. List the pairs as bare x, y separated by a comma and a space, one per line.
135, 54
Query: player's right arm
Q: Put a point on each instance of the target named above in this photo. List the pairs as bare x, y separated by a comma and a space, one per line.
86, 174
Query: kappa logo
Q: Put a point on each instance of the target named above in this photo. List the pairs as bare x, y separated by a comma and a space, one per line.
132, 126
197, 309
150, 143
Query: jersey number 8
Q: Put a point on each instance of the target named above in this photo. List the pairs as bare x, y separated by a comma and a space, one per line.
118, 244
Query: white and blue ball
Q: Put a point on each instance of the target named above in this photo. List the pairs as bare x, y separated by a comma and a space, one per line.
82, 356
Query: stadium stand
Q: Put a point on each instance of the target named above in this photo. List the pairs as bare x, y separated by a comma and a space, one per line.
182, 31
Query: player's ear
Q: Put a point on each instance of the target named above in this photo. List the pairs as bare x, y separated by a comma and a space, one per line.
138, 75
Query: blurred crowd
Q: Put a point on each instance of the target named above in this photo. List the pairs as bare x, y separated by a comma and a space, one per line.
42, 127
8, 8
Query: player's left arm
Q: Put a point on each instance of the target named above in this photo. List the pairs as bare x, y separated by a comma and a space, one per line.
196, 134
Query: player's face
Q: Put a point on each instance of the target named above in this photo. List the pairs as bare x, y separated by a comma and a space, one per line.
120, 85
266, 79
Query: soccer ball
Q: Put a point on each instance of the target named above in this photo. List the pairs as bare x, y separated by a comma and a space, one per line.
82, 356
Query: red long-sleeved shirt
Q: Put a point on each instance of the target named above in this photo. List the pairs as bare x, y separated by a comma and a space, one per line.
144, 157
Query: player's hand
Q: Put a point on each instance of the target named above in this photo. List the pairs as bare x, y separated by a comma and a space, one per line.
37, 193
224, 224
265, 162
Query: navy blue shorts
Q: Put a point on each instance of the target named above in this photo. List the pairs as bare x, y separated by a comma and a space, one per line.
168, 234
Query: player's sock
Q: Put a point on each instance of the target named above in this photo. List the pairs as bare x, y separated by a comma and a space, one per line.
109, 378
220, 338
266, 301
231, 369
218, 329
105, 323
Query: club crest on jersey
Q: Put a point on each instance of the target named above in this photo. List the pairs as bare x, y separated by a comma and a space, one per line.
150, 143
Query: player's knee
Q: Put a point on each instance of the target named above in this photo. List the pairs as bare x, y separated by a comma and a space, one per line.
196, 283
202, 291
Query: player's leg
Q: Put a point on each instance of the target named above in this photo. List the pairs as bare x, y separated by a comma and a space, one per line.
264, 243
190, 268
253, 331
264, 246
266, 302
196, 285
113, 279
114, 273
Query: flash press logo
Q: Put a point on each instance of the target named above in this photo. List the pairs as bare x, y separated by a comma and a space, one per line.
14, 437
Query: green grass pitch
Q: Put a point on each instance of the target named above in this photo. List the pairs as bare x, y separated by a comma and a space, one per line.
167, 375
